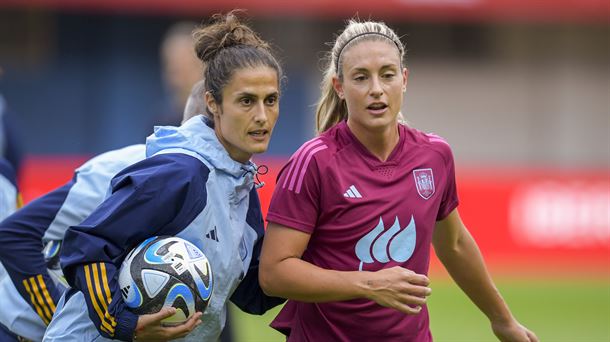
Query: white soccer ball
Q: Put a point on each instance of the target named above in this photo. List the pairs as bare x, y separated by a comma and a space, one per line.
166, 271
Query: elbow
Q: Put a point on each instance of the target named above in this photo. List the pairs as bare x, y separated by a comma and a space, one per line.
456, 251
447, 252
265, 279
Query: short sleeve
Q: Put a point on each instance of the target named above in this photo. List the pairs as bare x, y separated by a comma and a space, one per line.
450, 197
296, 199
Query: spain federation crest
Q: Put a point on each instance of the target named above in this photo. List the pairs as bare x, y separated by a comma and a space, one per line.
424, 182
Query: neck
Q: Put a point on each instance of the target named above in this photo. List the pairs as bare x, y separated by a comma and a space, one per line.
380, 141
235, 154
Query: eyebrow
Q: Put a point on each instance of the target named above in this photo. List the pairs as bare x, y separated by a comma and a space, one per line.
247, 94
243, 93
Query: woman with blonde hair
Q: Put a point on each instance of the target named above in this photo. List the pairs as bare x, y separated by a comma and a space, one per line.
356, 209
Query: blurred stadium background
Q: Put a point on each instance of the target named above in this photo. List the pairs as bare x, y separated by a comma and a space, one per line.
520, 89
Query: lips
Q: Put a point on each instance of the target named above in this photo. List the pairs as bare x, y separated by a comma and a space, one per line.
258, 134
377, 106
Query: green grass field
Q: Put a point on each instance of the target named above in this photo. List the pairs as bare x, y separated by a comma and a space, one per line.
558, 310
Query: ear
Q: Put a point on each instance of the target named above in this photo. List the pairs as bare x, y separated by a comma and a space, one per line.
211, 103
405, 75
338, 86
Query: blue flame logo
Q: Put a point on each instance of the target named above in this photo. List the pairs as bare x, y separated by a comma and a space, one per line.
383, 245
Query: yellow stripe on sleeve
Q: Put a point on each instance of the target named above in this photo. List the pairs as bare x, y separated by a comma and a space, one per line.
98, 288
107, 289
110, 318
100, 295
105, 282
46, 293
48, 314
33, 300
104, 325
19, 201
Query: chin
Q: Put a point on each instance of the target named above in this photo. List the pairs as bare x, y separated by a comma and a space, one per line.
379, 122
259, 148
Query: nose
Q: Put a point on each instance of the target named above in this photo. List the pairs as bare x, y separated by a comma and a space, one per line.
376, 89
260, 113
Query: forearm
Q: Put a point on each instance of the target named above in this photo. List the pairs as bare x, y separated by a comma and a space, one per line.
284, 274
104, 303
30, 276
21, 237
300, 280
465, 264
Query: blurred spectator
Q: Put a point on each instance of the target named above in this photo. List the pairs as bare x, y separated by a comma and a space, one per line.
180, 68
9, 147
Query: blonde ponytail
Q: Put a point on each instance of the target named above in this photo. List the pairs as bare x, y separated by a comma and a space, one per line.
330, 109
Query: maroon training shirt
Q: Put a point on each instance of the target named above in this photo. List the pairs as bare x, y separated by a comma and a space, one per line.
363, 214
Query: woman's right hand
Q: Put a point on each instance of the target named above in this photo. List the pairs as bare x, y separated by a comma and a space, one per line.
398, 288
149, 327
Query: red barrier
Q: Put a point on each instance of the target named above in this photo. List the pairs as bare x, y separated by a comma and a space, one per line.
41, 174
546, 221
524, 220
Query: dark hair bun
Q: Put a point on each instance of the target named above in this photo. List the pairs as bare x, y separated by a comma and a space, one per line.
224, 32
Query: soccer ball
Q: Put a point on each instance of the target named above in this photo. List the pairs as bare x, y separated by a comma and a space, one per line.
166, 271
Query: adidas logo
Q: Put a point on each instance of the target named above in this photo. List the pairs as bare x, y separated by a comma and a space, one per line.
212, 234
125, 291
352, 192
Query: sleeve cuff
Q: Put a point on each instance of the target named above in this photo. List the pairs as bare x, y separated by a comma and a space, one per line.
290, 223
448, 209
126, 326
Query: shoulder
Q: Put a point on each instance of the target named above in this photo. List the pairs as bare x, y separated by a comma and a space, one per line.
313, 154
99, 170
115, 159
316, 148
430, 141
129, 153
165, 170
324, 147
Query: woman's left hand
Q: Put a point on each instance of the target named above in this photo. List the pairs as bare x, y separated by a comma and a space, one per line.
513, 331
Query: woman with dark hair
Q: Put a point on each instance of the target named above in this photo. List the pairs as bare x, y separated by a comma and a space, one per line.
197, 183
